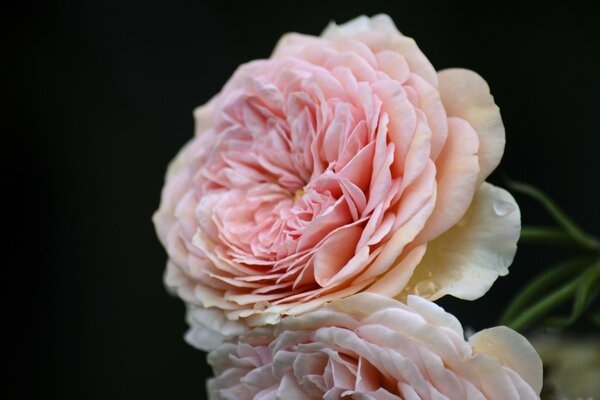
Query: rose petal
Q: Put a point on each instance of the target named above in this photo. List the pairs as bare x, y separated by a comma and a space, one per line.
394, 281
457, 168
513, 351
208, 328
435, 314
334, 253
466, 260
466, 95
416, 207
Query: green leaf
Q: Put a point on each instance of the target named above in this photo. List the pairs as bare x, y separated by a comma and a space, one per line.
543, 307
578, 235
587, 290
545, 235
542, 284
595, 317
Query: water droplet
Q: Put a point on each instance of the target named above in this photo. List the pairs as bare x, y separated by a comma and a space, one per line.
503, 208
426, 288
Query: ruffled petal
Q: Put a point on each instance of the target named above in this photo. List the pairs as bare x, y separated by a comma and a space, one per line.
513, 351
457, 168
466, 95
466, 260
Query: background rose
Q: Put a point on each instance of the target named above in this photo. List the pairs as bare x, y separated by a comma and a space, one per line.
343, 163
571, 364
371, 347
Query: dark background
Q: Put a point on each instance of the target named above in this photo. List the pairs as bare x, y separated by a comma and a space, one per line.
99, 97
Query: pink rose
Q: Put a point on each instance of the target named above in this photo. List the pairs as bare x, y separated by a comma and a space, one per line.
369, 346
344, 163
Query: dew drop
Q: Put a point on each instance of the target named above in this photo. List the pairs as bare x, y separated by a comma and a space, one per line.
426, 288
503, 208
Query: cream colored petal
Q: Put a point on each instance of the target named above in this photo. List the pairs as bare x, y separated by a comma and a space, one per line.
300, 307
361, 305
466, 95
466, 260
380, 33
292, 44
394, 281
203, 116
513, 351
175, 187
348, 29
209, 328
457, 170
383, 23
526, 392
179, 162
380, 22
435, 314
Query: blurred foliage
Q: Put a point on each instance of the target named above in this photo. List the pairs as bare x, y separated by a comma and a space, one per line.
575, 281
571, 365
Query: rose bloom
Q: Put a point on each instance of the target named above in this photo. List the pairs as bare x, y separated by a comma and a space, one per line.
571, 363
343, 163
368, 346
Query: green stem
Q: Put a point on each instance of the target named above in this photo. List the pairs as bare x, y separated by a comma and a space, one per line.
542, 284
540, 309
535, 234
579, 236
587, 291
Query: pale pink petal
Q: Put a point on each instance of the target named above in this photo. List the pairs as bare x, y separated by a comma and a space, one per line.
431, 104
513, 351
418, 153
417, 206
465, 261
457, 170
394, 281
402, 120
466, 95
394, 65
327, 169
335, 253
369, 346
292, 44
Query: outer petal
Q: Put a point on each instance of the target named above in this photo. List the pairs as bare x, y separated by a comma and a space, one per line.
203, 116
380, 33
291, 44
435, 314
466, 260
457, 169
363, 304
394, 281
419, 202
513, 351
209, 328
370, 346
466, 95
174, 189
379, 22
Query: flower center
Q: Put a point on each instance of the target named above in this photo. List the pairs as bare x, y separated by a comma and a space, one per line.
299, 193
